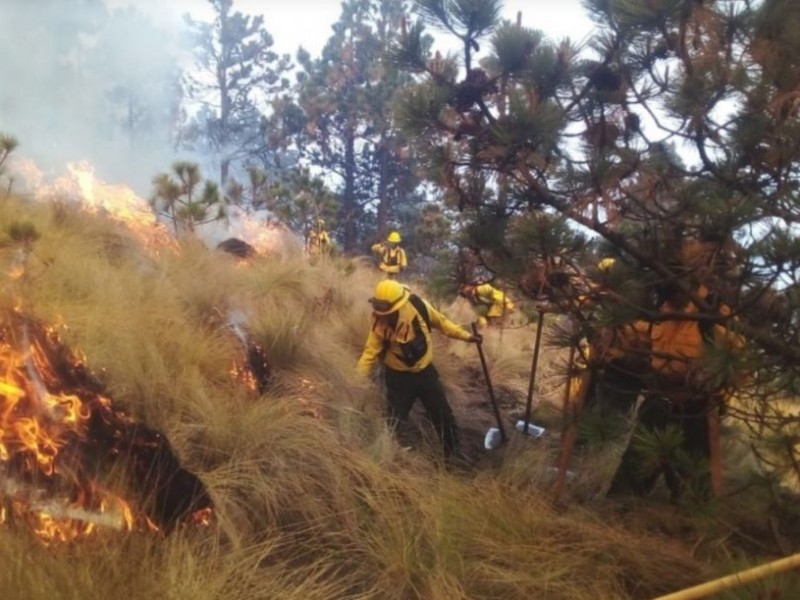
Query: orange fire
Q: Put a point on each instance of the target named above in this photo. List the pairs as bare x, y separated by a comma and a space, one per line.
39, 425
118, 202
56, 429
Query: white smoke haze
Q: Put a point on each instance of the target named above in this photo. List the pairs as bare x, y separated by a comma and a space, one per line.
82, 83
260, 229
80, 185
97, 82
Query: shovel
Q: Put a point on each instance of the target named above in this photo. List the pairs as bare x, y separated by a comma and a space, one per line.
496, 436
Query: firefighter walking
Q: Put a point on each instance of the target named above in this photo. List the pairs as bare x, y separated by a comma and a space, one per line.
319, 241
393, 260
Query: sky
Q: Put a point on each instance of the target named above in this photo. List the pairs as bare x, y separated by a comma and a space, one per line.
307, 22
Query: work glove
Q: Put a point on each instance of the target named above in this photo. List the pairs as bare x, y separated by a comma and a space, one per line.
475, 338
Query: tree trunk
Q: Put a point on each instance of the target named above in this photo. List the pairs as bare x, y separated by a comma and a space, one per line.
384, 203
571, 409
349, 207
224, 168
714, 448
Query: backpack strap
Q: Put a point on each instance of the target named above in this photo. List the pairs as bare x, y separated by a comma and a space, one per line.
419, 304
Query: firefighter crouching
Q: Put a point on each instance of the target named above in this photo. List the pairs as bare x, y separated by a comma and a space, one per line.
491, 304
683, 396
618, 359
392, 256
400, 340
615, 357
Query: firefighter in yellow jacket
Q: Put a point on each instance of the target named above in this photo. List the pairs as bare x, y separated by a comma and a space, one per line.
400, 339
319, 241
491, 304
392, 256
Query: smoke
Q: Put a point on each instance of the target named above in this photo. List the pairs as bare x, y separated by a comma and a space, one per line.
260, 229
84, 82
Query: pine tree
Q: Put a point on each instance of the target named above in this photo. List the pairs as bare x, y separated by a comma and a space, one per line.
345, 97
177, 198
8, 143
671, 138
237, 73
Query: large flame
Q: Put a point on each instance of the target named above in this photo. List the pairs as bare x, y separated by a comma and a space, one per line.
118, 202
39, 426
58, 433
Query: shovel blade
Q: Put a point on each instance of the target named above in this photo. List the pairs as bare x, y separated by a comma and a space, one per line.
533, 430
493, 439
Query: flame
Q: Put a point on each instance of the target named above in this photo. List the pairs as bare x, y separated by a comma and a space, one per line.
265, 238
121, 203
37, 428
258, 229
48, 417
118, 202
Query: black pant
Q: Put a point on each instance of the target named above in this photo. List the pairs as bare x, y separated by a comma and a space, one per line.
684, 471
403, 388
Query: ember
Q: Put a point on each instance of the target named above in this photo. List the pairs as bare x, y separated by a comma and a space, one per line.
58, 431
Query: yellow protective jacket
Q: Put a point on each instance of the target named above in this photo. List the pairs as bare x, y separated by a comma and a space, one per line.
497, 302
677, 344
319, 242
395, 339
393, 260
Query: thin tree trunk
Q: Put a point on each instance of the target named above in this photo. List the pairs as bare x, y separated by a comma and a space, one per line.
383, 186
714, 448
572, 409
349, 198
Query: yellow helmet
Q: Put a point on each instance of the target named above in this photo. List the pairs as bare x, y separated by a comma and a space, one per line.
389, 296
393, 237
606, 264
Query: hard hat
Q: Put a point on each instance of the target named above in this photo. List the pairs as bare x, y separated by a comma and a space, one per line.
393, 237
606, 263
389, 296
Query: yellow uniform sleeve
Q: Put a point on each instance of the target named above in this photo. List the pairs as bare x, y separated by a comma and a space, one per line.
402, 259
445, 325
377, 248
371, 354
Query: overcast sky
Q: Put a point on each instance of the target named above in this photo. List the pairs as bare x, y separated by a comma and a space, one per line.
293, 23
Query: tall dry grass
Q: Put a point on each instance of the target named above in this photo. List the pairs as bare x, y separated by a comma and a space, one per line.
314, 499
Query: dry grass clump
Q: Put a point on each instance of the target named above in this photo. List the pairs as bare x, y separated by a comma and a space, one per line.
314, 499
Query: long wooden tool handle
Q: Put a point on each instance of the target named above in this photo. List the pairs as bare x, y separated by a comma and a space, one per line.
534, 366
495, 408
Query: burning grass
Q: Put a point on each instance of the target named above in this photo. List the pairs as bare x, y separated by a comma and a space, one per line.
312, 497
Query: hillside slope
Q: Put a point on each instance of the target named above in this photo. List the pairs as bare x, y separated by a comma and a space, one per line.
313, 497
